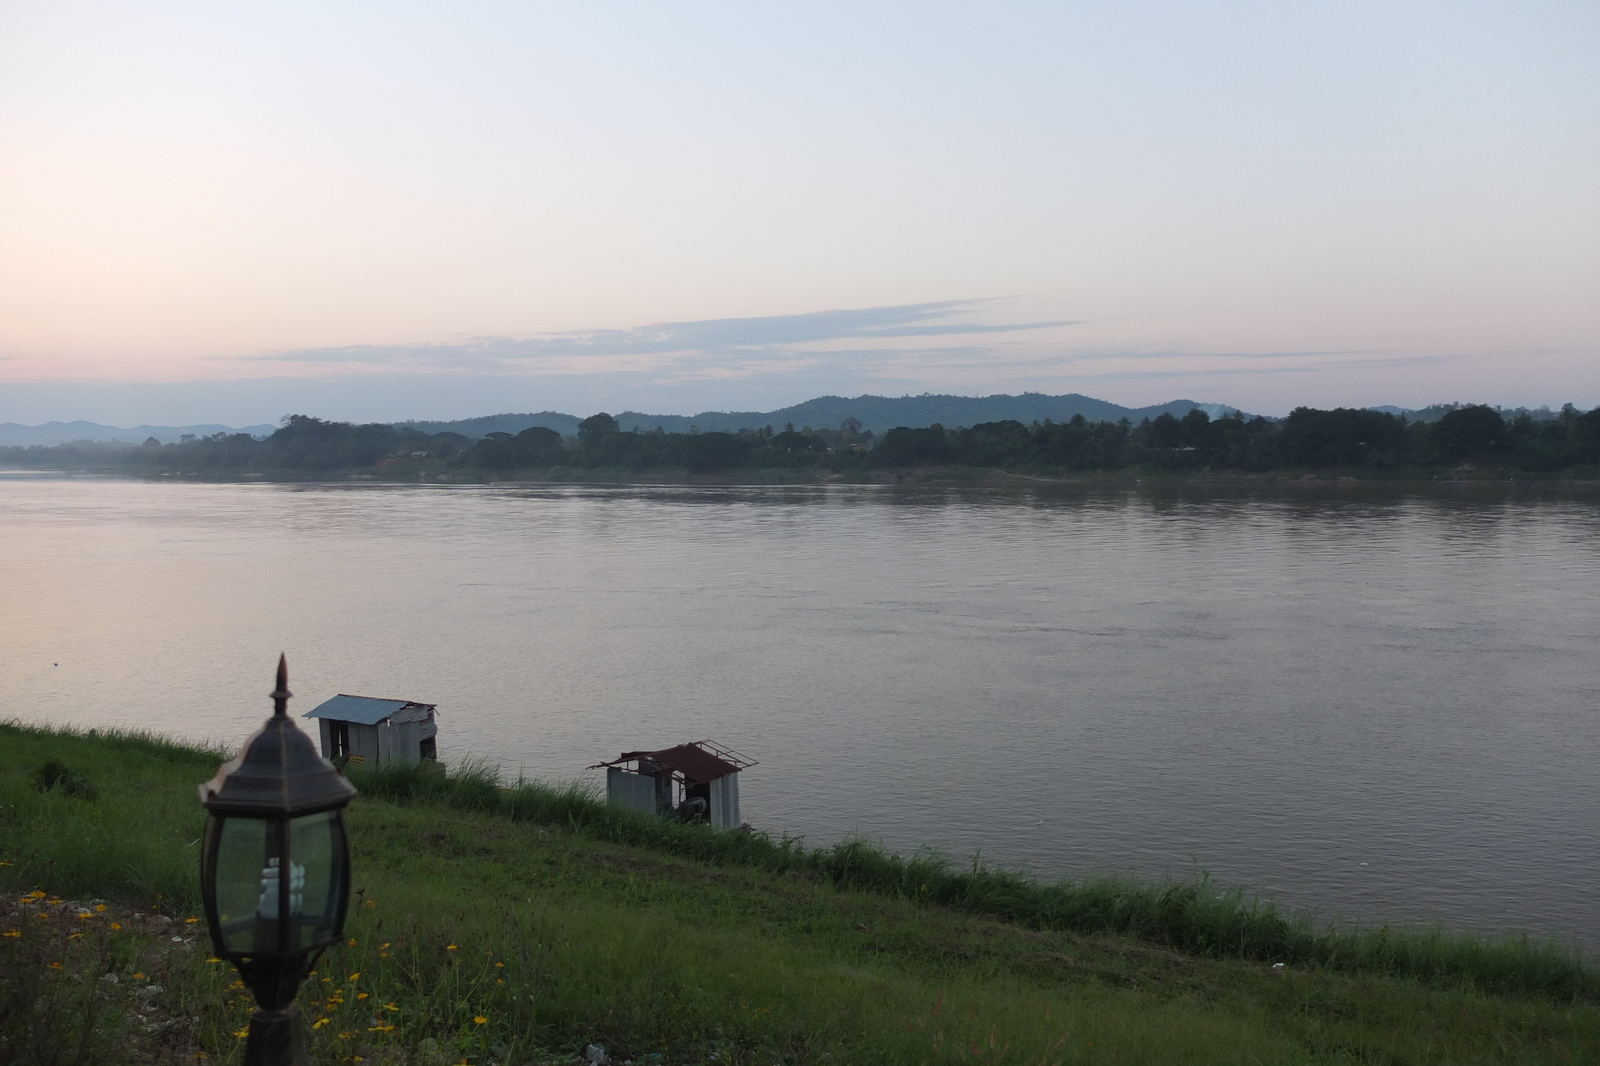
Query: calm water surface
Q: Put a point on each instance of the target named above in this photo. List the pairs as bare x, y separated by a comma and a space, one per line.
1378, 703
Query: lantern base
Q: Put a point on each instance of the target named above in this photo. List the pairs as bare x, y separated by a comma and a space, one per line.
277, 1039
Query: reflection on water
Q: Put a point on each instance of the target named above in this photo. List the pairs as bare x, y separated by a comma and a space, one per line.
1379, 702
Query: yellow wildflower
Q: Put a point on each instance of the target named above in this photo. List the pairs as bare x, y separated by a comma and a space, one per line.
479, 1019
101, 907
116, 925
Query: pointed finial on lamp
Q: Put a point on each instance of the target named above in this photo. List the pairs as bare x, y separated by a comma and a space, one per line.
280, 696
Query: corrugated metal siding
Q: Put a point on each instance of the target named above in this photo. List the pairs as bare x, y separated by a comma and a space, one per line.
364, 742
406, 744
411, 712
631, 790
725, 802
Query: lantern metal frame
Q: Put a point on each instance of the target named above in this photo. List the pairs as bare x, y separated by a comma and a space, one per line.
278, 776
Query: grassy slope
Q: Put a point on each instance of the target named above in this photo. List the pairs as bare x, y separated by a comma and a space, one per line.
558, 937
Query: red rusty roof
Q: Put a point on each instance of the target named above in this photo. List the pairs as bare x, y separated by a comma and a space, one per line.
694, 763
700, 762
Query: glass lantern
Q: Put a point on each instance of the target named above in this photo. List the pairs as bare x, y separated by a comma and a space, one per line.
275, 872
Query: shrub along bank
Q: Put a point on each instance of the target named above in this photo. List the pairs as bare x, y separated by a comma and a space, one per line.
523, 924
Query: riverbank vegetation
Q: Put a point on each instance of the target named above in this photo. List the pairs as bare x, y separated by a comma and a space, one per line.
1466, 442
518, 923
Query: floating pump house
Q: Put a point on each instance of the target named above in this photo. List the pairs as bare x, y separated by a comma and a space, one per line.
364, 729
694, 782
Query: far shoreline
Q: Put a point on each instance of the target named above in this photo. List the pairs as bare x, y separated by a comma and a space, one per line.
923, 477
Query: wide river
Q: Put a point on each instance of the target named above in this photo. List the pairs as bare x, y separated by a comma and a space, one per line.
1380, 703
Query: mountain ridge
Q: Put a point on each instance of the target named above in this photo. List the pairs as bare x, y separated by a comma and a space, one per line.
875, 413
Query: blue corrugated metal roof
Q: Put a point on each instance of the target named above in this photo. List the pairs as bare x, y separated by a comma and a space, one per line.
363, 710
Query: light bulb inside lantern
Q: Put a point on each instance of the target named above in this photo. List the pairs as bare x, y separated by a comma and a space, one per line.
267, 906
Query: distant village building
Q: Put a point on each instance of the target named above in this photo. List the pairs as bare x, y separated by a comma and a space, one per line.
364, 729
694, 782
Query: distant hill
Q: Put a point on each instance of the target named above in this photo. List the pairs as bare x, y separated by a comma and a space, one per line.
483, 425
51, 433
875, 413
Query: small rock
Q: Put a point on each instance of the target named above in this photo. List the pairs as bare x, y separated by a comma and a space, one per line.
596, 1054
111, 979
151, 990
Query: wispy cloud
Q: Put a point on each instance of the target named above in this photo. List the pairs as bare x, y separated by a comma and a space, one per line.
775, 334
949, 345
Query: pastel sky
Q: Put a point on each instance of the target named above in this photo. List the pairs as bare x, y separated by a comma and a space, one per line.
226, 212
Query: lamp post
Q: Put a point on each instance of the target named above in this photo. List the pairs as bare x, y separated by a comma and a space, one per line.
275, 872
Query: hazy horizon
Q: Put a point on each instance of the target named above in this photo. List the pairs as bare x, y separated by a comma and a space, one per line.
212, 424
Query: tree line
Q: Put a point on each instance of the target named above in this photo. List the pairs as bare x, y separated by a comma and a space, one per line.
1340, 440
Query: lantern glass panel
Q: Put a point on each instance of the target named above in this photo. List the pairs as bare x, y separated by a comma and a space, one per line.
316, 846
246, 851
248, 881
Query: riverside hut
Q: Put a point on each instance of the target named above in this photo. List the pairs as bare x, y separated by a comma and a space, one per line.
694, 782
365, 729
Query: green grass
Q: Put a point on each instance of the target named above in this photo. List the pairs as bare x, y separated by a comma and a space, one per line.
1193, 916
562, 922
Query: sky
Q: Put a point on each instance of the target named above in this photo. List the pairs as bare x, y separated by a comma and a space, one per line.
230, 212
